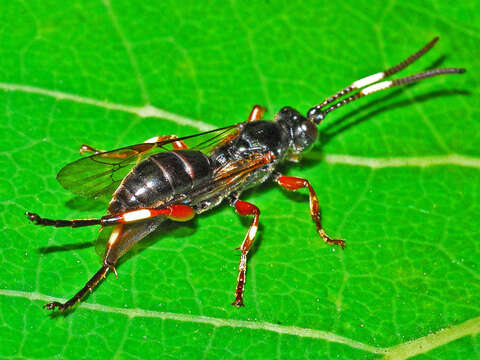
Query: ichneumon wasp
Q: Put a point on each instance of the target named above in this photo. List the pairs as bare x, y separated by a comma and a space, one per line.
170, 177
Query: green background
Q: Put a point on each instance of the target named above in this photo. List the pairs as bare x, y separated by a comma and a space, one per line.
410, 267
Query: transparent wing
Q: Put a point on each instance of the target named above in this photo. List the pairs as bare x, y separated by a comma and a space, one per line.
100, 174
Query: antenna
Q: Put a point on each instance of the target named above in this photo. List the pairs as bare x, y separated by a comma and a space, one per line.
371, 84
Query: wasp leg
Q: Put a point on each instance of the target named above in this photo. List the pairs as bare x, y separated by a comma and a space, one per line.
89, 286
122, 238
108, 264
177, 145
173, 212
244, 208
294, 183
256, 113
37, 220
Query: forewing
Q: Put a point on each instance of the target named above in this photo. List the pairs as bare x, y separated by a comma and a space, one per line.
208, 141
230, 177
100, 174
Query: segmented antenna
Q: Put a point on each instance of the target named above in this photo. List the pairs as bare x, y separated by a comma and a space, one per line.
371, 84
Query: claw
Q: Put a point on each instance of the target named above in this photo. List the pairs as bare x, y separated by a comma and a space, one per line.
54, 304
33, 217
329, 240
238, 303
114, 271
336, 242
84, 149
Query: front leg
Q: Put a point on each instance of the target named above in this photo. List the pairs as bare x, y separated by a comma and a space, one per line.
244, 208
256, 113
294, 183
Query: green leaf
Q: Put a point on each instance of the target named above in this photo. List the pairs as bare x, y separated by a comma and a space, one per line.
397, 175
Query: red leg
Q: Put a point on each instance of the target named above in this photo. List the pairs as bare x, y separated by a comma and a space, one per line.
294, 183
244, 208
173, 212
256, 113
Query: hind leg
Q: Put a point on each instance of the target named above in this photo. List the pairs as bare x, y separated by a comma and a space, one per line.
99, 275
89, 286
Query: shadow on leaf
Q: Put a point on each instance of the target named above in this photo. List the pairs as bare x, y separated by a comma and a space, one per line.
85, 204
337, 127
66, 247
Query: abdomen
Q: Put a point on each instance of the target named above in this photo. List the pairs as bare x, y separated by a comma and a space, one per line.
159, 178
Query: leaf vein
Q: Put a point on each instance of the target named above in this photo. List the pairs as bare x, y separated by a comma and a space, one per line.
152, 111
215, 322
426, 343
141, 111
401, 351
128, 49
420, 161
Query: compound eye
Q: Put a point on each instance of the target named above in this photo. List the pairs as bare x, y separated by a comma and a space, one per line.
316, 114
306, 135
311, 133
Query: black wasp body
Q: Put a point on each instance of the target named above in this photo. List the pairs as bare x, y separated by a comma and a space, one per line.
188, 176
161, 178
169, 176
176, 178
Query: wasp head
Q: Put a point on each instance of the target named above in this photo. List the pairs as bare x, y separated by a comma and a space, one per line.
301, 131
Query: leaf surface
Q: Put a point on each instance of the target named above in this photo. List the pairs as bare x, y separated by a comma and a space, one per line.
397, 175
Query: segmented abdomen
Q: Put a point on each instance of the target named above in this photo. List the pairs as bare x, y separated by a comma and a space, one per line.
159, 178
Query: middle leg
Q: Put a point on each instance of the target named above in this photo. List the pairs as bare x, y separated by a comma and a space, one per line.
244, 208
